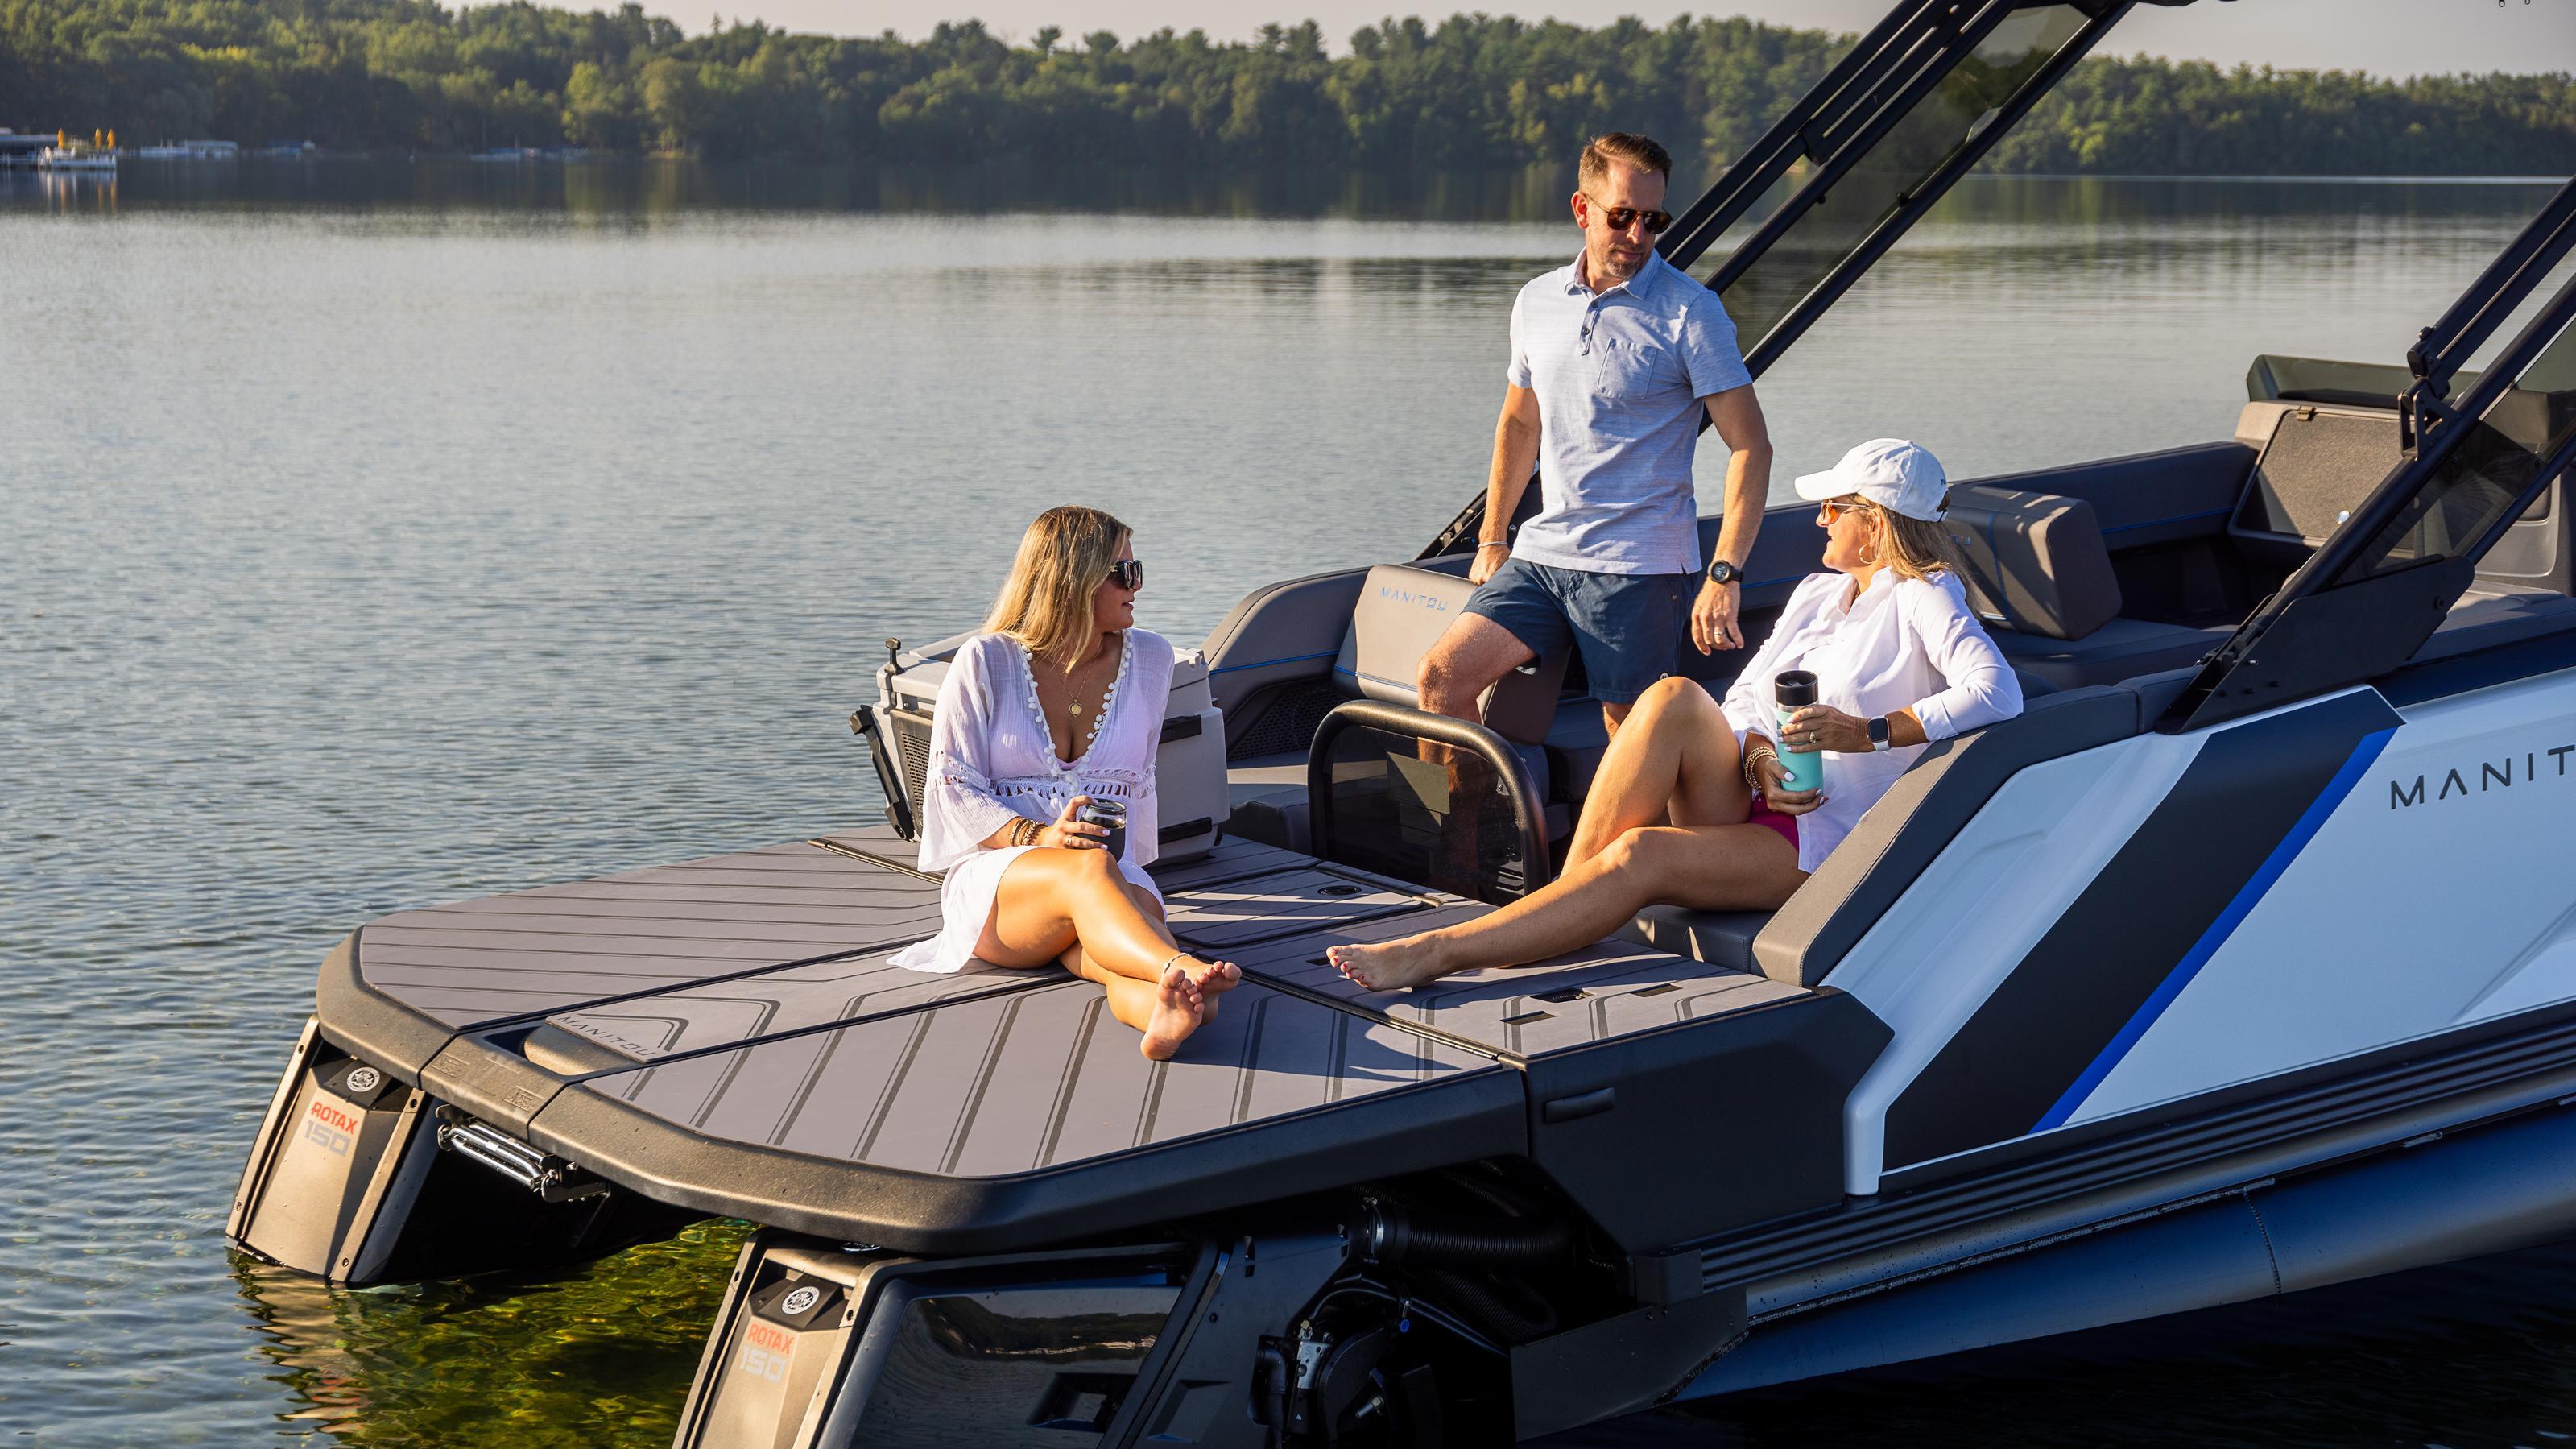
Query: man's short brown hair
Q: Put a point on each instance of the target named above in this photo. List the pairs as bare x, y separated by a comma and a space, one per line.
1638, 151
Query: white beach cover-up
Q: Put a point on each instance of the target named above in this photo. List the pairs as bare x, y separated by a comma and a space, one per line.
992, 759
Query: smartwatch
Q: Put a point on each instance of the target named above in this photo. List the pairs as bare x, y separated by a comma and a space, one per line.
1878, 733
1722, 572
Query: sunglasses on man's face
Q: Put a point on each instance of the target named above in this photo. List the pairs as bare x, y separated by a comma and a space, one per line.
1623, 217
1128, 573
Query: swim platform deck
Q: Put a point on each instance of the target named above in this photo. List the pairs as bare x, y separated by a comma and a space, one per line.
729, 1035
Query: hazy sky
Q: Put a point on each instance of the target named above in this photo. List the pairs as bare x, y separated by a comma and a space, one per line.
2387, 37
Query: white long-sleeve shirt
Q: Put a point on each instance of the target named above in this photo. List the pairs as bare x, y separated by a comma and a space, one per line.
1903, 644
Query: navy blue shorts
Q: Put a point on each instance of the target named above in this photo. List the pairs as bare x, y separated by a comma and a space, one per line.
1626, 627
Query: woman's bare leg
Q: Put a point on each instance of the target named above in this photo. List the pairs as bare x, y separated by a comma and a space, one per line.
1711, 867
1164, 1014
1052, 901
1674, 762
1214, 979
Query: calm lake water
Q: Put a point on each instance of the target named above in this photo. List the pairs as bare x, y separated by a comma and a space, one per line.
383, 535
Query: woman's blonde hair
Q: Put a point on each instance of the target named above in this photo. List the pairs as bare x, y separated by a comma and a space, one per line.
1046, 602
1916, 548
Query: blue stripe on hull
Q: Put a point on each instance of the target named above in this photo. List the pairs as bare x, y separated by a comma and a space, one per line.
2242, 905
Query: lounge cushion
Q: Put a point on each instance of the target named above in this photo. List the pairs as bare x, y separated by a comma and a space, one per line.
2033, 562
1720, 938
2119, 650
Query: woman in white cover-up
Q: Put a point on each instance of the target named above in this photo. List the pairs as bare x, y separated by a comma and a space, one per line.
1058, 702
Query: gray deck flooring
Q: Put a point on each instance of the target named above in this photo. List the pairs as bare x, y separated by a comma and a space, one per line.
534, 951
749, 999
1030, 1080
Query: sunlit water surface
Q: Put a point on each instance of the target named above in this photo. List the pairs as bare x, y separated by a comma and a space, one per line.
376, 542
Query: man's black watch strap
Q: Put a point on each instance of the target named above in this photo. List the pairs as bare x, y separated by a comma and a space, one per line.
1722, 572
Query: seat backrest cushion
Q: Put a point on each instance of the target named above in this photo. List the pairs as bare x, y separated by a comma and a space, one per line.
2034, 562
1400, 613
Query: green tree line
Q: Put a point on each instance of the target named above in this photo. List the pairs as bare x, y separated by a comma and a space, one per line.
1471, 91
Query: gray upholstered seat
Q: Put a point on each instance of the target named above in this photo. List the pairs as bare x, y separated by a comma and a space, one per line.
2033, 562
1720, 938
2039, 576
1402, 610
2121, 649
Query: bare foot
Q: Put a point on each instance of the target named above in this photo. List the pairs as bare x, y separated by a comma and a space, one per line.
1388, 966
1177, 1008
1215, 978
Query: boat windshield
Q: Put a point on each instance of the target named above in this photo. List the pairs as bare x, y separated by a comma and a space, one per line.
2487, 474
1811, 222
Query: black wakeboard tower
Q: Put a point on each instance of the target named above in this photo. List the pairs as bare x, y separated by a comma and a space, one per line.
1849, 169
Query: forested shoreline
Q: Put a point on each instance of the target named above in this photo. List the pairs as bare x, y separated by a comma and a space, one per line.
1466, 92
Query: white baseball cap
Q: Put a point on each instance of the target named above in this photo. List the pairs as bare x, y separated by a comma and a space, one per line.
1898, 476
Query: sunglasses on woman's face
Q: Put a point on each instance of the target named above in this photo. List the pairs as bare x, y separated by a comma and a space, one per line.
1623, 217
1128, 573
1833, 510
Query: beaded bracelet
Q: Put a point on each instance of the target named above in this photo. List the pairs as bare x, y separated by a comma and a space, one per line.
1753, 759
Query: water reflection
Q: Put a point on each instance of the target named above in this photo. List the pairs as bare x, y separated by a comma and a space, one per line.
601, 1356
65, 193
641, 189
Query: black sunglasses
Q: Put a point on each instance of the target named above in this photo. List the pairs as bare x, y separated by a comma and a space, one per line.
1623, 217
1128, 573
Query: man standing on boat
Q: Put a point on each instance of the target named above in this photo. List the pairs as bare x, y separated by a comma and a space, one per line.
1613, 357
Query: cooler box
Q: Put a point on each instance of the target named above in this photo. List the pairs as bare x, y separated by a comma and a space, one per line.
1189, 770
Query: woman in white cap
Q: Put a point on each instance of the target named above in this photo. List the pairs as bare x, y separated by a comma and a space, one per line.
1691, 804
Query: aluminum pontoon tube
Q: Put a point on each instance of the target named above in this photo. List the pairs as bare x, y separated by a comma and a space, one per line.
2489, 1190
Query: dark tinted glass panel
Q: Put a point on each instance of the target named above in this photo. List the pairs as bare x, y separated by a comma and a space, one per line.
1919, 143
1426, 813
2487, 474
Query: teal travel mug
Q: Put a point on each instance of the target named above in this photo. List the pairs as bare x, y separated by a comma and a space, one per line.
1791, 691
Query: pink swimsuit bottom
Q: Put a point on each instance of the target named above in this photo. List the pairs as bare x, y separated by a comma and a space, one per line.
1764, 815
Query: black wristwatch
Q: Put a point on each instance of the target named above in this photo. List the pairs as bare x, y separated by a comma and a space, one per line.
1722, 572
1878, 733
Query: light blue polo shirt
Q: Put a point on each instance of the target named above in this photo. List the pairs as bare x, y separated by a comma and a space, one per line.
1619, 377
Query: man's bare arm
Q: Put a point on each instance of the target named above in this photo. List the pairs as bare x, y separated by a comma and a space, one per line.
1515, 454
1737, 415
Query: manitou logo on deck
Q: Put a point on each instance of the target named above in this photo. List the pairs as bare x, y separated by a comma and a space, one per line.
2481, 777
331, 1126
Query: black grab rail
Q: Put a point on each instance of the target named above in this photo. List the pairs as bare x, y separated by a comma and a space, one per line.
1519, 791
